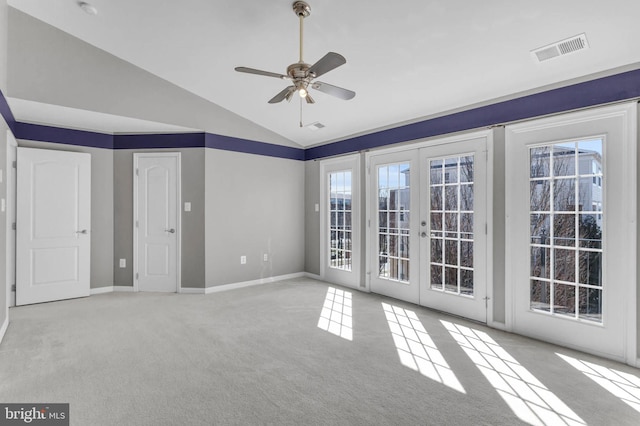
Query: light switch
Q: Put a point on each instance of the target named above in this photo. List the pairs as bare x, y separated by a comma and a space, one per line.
317, 207
123, 263
3, 205
187, 206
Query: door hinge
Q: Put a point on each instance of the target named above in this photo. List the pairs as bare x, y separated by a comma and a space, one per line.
13, 287
14, 164
137, 172
486, 229
13, 226
369, 223
137, 225
137, 276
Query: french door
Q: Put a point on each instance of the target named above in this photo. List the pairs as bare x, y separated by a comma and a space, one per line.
571, 208
428, 226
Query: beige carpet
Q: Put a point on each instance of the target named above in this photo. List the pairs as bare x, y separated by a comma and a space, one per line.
256, 356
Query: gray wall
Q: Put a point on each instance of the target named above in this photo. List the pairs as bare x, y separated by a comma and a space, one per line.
193, 224
102, 225
312, 218
48, 65
254, 206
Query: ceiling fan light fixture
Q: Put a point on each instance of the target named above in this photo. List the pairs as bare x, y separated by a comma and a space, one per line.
303, 92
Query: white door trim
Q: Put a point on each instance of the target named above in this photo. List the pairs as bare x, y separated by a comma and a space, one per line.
136, 157
12, 146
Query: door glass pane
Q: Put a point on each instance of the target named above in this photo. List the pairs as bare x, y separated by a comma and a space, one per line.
393, 221
451, 200
340, 220
566, 226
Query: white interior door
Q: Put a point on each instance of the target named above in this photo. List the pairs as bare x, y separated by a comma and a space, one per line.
53, 230
571, 231
453, 229
157, 221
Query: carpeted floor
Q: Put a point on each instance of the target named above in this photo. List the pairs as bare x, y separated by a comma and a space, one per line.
270, 355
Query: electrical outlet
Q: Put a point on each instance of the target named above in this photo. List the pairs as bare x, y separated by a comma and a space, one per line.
243, 260
123, 263
265, 257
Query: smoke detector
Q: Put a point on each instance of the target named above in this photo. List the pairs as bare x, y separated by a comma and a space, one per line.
561, 48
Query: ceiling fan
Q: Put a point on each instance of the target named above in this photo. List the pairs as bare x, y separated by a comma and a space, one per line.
302, 74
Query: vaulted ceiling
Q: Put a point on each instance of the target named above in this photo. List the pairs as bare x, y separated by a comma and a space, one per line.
406, 60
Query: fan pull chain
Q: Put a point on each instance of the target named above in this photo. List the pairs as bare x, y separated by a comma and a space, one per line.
301, 113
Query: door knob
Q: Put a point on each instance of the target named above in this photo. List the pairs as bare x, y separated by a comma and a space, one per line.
424, 234
84, 231
423, 223
171, 231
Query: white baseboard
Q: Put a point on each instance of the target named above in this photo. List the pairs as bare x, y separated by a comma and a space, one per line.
268, 280
101, 290
191, 290
3, 329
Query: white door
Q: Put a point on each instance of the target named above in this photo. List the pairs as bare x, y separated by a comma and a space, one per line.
340, 221
571, 232
427, 231
156, 221
393, 229
54, 222
453, 248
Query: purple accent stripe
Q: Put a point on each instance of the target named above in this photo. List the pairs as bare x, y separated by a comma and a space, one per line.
604, 90
6, 113
170, 140
37, 132
229, 143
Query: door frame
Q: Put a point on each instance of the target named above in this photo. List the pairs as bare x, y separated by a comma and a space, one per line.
489, 136
136, 157
11, 182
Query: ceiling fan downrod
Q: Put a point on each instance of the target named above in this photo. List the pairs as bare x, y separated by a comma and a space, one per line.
302, 10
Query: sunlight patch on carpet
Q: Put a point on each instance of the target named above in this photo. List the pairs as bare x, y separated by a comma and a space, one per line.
336, 315
416, 349
527, 397
623, 385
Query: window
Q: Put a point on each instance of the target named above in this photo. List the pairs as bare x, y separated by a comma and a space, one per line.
393, 221
451, 198
340, 230
566, 231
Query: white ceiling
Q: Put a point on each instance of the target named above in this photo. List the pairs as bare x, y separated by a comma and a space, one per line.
405, 59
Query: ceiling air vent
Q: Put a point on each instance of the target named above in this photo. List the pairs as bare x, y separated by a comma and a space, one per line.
315, 126
561, 48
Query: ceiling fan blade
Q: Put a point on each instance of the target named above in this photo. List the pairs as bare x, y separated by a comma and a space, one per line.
328, 62
260, 72
286, 93
332, 90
